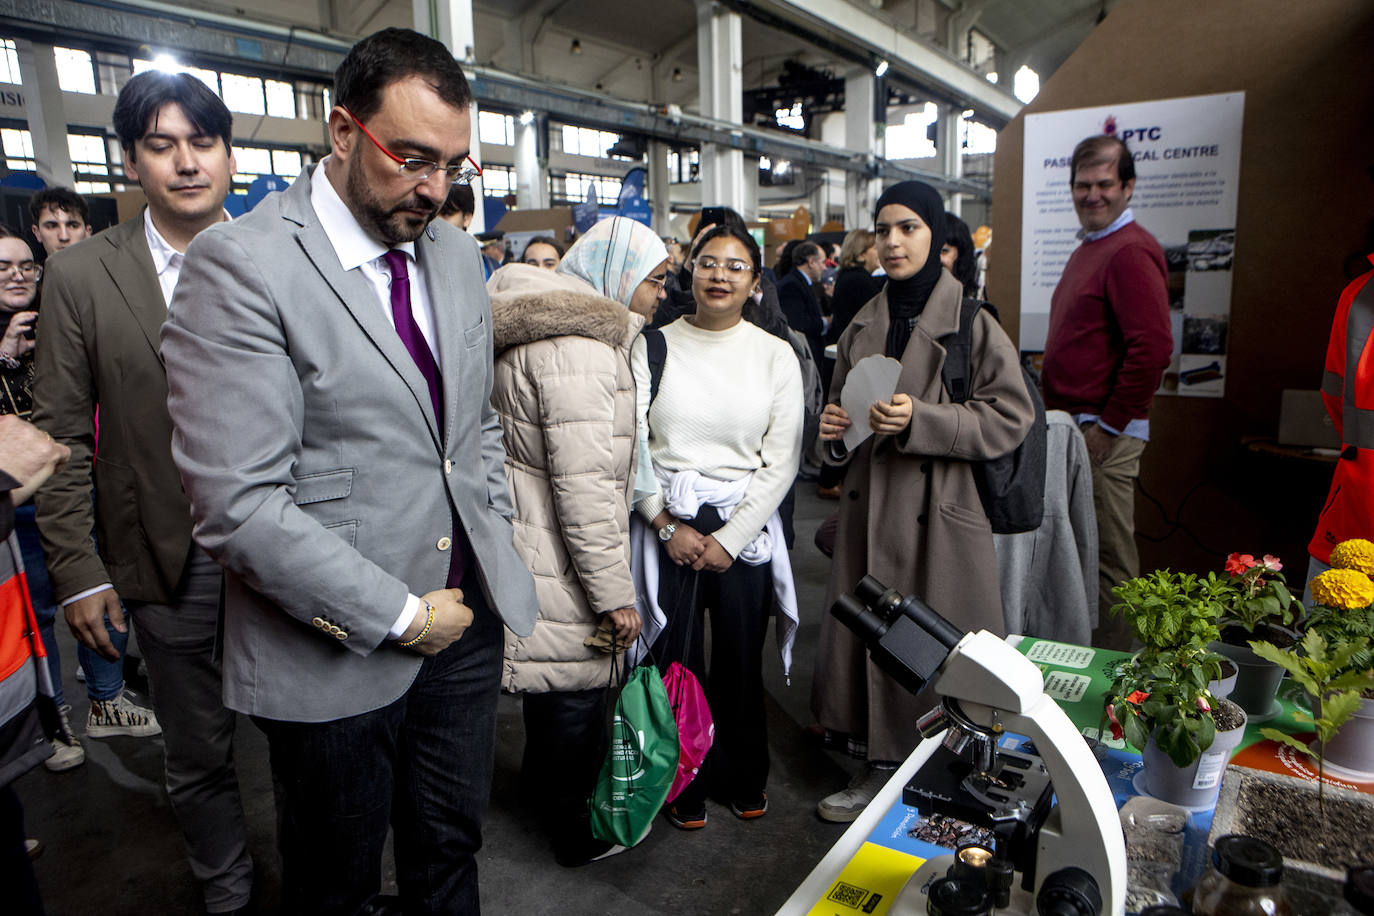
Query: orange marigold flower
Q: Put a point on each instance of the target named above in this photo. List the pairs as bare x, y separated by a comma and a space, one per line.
1136, 697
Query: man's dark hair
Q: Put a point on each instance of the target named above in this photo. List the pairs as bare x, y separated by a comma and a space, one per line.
543, 240
805, 252
385, 57
460, 200
64, 199
143, 97
1099, 150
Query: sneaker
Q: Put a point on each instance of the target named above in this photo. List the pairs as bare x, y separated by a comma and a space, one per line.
81, 674
590, 849
34, 848
845, 806
747, 811
687, 820
121, 716
67, 752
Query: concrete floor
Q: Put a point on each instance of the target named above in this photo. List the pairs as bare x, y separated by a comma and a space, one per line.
112, 847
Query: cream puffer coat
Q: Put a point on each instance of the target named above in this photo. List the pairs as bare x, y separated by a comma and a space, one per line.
566, 397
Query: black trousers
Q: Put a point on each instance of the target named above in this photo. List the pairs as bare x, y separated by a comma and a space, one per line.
565, 744
739, 602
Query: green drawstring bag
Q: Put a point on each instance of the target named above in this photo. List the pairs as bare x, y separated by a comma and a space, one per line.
641, 761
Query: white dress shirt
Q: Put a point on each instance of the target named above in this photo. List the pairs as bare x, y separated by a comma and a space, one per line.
359, 251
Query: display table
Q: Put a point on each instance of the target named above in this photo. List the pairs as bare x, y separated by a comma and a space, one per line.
864, 871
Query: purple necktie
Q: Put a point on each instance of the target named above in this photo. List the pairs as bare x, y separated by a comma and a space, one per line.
415, 344
409, 331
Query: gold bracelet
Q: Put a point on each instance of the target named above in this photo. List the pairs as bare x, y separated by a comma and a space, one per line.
429, 625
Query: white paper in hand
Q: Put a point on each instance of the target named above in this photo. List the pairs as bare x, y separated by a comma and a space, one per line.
873, 379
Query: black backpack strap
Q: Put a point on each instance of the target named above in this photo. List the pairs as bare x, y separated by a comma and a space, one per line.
958, 370
657, 351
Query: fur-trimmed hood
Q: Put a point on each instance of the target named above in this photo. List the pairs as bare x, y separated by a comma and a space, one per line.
529, 304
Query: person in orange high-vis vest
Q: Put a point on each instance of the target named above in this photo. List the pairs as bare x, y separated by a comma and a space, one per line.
1348, 392
27, 458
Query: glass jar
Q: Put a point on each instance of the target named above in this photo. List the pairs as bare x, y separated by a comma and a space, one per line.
1244, 880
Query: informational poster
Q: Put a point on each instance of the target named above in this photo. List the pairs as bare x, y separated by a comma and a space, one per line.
1187, 163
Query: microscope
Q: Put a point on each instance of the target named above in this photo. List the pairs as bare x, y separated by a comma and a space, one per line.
1046, 802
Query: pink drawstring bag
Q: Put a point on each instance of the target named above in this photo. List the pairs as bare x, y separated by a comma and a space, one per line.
695, 730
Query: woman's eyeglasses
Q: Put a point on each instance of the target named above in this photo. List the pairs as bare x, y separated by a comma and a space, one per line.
735, 270
27, 269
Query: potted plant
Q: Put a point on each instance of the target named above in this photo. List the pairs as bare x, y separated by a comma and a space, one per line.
1160, 701
1255, 605
1335, 660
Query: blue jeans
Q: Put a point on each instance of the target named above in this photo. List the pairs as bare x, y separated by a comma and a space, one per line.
422, 763
104, 678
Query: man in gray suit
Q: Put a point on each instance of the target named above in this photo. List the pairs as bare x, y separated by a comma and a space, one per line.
329, 365
104, 301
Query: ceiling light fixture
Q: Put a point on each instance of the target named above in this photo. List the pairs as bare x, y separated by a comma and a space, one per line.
677, 74
879, 70
527, 118
576, 46
167, 63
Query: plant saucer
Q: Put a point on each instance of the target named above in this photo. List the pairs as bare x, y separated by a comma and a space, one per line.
1138, 783
1274, 709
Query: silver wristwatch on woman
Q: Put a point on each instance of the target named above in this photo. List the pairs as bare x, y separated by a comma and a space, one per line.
665, 534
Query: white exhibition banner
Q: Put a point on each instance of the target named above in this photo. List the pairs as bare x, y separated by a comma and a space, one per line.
1187, 164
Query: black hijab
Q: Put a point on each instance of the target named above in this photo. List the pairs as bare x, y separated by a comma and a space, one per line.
907, 298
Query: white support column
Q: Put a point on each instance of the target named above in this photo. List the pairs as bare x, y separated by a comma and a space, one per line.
862, 132
949, 153
531, 172
451, 23
46, 115
818, 202
660, 185
720, 56
749, 207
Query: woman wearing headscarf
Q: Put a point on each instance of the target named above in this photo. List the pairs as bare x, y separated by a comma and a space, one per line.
910, 514
566, 397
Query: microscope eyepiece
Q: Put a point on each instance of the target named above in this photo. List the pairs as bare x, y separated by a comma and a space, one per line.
1069, 892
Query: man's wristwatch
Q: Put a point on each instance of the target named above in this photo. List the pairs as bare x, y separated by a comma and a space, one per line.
665, 534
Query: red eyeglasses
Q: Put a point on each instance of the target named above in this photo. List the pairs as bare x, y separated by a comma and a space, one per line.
421, 169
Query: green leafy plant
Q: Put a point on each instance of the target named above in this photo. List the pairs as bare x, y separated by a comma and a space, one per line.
1331, 674
1164, 694
1169, 610
1257, 596
1162, 691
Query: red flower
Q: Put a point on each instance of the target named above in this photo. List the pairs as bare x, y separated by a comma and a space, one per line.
1116, 726
1136, 696
1238, 563
1203, 705
1272, 563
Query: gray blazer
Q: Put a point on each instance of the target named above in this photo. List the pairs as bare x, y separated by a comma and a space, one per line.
317, 474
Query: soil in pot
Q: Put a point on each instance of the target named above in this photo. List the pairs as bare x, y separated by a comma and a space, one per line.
1293, 823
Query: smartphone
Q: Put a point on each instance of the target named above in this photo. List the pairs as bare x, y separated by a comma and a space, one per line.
712, 216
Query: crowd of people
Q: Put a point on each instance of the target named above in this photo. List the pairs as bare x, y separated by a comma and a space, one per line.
349, 474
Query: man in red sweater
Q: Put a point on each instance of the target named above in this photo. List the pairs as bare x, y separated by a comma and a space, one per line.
1108, 345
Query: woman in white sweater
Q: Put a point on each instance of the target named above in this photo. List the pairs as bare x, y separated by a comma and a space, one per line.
725, 428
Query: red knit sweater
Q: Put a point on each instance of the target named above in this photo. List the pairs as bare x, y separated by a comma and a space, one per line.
1109, 339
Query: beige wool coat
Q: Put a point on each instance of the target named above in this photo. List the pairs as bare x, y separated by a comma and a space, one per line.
566, 397
910, 514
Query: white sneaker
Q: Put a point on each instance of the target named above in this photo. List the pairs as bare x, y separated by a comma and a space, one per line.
846, 805
67, 752
121, 716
